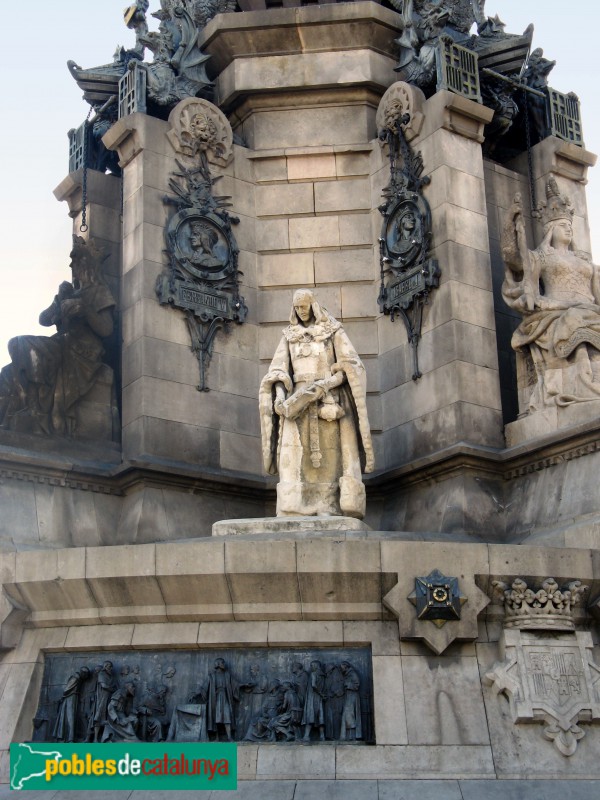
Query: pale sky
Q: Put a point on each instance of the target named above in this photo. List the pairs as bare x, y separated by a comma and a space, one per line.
40, 102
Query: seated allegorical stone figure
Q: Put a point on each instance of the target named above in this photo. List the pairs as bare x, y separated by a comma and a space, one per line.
315, 429
49, 375
556, 289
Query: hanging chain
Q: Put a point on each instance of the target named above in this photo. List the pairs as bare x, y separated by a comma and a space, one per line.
529, 155
122, 195
86, 128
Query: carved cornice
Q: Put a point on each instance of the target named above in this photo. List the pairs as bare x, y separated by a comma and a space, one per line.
109, 476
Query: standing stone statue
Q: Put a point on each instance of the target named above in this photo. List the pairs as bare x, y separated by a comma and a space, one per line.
557, 291
315, 429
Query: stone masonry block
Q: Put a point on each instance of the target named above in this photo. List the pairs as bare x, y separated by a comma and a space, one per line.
312, 232
382, 636
236, 634
238, 376
457, 187
342, 195
359, 301
287, 269
293, 763
334, 125
145, 205
455, 224
456, 301
388, 701
313, 634
344, 266
101, 637
270, 169
356, 229
308, 167
159, 359
272, 234
351, 163
464, 264
423, 763
285, 199
274, 306
155, 398
447, 385
449, 149
363, 335
347, 572
331, 298
148, 318
171, 635
33, 644
151, 170
240, 453
261, 577
140, 282
446, 705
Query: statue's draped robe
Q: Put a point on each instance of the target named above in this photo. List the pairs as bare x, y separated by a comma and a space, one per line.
50, 374
557, 336
334, 486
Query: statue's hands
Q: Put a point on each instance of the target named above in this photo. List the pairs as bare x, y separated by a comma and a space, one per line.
72, 307
516, 209
279, 400
369, 461
528, 301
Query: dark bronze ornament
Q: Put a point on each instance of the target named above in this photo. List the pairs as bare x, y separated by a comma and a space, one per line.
203, 277
407, 272
268, 695
437, 598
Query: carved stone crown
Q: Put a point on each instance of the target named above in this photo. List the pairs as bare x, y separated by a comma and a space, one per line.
548, 607
556, 206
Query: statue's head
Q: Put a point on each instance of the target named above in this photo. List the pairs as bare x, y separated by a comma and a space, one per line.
556, 215
220, 664
306, 309
86, 262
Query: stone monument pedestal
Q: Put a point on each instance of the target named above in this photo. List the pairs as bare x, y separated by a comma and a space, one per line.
284, 525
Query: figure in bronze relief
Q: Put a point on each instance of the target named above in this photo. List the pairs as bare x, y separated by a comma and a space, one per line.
334, 700
221, 692
65, 726
136, 700
105, 687
314, 710
122, 720
351, 728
